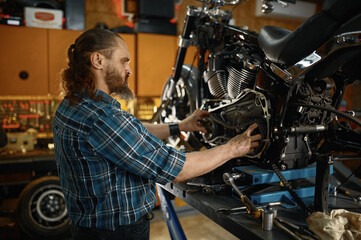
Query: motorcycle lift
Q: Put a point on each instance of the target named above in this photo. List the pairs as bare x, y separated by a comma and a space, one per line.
263, 189
263, 185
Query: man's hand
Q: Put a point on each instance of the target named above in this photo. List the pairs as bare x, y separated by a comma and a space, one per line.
244, 143
193, 122
198, 163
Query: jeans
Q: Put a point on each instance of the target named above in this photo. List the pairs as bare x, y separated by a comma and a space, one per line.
136, 231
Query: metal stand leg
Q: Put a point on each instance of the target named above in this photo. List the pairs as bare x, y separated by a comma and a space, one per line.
174, 226
322, 183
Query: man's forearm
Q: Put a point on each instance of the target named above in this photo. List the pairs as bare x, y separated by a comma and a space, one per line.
189, 124
199, 163
161, 131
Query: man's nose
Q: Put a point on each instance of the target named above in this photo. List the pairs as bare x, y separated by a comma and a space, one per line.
128, 71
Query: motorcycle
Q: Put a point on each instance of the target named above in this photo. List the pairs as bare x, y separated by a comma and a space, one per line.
289, 82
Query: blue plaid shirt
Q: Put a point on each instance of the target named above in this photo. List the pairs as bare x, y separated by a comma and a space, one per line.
108, 163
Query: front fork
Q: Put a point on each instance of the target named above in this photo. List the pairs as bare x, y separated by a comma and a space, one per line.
184, 42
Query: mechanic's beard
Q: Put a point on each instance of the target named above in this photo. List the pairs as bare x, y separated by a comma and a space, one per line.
118, 86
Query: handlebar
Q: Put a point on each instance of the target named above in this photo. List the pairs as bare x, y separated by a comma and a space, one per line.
231, 2
289, 1
267, 6
234, 2
354, 113
221, 2
282, 1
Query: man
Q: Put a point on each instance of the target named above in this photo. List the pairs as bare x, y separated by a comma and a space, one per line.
108, 161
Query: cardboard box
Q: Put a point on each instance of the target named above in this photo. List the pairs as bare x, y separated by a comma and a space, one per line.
43, 18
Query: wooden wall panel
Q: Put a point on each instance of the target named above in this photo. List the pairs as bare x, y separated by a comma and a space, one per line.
155, 60
191, 53
59, 42
23, 49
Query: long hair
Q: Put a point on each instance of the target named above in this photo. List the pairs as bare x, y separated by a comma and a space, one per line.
77, 79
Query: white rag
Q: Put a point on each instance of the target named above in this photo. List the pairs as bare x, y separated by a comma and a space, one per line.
340, 224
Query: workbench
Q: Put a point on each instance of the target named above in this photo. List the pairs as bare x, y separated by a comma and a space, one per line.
38, 160
241, 224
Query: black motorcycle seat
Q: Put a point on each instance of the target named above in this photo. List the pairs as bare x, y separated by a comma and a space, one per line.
288, 47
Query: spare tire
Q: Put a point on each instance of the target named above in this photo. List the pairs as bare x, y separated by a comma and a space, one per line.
41, 212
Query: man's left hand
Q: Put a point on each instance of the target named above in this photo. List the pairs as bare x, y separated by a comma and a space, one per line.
194, 122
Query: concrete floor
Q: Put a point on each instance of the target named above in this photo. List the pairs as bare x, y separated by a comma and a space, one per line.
195, 225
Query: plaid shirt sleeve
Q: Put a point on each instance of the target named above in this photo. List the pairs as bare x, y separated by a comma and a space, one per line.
123, 140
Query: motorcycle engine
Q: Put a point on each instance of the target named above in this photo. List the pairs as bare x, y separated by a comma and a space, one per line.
230, 117
236, 105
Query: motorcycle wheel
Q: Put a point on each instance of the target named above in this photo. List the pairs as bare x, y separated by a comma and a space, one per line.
181, 105
41, 211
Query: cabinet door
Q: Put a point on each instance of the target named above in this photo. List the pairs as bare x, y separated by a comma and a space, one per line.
59, 42
155, 60
23, 61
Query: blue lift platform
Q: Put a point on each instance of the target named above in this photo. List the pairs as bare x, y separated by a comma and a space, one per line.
269, 181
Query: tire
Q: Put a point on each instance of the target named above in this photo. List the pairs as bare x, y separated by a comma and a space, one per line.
183, 103
41, 212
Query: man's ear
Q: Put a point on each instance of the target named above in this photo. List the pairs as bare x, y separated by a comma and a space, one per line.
97, 60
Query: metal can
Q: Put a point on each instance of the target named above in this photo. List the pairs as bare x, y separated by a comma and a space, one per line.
267, 219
